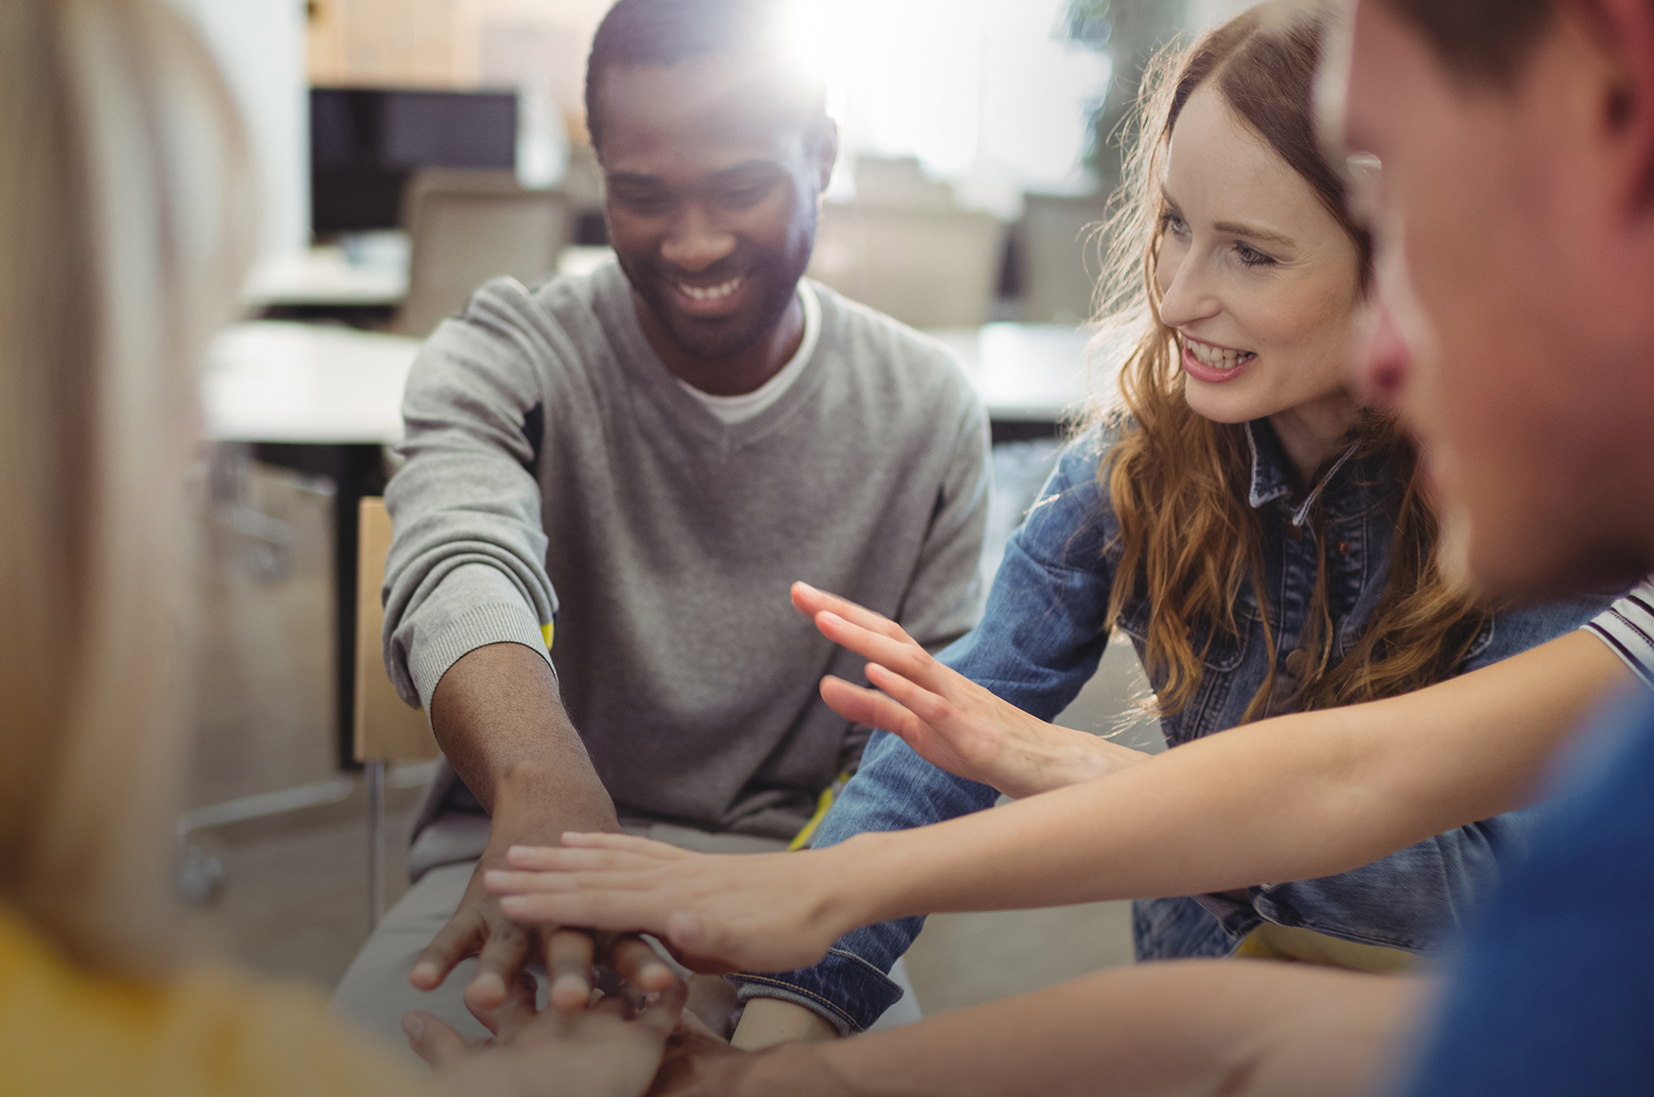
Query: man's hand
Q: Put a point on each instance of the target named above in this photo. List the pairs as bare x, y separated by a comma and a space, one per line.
610, 1050
497, 715
950, 721
503, 947
717, 913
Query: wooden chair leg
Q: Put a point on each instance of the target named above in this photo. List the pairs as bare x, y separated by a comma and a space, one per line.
376, 842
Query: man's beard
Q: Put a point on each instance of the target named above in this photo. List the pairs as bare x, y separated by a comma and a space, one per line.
773, 272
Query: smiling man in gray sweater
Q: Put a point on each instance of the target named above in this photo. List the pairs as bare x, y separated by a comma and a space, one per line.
632, 467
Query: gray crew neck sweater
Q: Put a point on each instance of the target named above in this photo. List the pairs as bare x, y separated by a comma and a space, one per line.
554, 467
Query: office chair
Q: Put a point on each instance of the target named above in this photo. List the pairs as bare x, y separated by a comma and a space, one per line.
926, 266
465, 227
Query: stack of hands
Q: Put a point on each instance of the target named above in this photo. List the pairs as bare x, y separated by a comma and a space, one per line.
715, 913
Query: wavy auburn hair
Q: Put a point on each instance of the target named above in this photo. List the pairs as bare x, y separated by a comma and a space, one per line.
1179, 482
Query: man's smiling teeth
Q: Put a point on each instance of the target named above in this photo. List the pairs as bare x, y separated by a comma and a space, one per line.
711, 293
1218, 357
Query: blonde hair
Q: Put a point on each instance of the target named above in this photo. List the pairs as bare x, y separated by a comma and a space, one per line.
125, 210
1179, 482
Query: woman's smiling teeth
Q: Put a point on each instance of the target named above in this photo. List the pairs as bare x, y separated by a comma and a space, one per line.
1217, 357
711, 293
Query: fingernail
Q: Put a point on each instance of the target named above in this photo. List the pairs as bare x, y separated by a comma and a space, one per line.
513, 902
806, 588
423, 972
496, 876
569, 992
414, 1026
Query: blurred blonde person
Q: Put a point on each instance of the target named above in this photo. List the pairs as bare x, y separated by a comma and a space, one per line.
125, 217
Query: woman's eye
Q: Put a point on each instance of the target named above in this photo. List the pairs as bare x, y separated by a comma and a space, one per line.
1252, 257
1174, 225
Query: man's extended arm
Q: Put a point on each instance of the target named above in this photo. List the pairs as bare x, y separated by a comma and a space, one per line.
499, 720
467, 607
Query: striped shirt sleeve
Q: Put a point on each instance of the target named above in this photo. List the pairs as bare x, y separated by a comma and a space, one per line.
1627, 627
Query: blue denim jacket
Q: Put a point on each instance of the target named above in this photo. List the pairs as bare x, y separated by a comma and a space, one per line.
1040, 641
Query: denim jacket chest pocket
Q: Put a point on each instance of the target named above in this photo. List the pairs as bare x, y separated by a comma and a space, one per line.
1225, 657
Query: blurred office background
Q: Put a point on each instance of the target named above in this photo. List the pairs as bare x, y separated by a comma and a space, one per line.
409, 149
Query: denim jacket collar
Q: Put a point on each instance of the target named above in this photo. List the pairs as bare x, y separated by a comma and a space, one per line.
1270, 479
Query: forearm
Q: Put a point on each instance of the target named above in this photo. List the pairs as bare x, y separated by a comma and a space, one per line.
767, 1022
1288, 799
1231, 1028
499, 719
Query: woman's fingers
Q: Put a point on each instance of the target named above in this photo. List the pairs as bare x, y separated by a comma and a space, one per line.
571, 901
808, 600
544, 857
555, 859
865, 706
905, 658
922, 703
864, 641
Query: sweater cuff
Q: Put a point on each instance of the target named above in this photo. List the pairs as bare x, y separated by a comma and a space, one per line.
440, 644
861, 992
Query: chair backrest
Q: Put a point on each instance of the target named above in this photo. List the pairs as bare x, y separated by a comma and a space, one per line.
386, 729
1062, 256
465, 227
929, 268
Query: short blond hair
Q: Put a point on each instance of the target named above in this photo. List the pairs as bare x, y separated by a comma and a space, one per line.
125, 224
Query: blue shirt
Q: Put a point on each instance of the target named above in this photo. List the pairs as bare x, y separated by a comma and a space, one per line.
1040, 641
1551, 994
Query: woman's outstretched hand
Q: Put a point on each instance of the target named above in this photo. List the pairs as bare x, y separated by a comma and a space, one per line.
949, 720
717, 913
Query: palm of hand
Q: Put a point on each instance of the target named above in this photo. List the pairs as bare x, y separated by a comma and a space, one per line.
946, 718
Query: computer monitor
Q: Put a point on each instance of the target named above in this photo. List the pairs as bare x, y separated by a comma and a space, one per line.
365, 142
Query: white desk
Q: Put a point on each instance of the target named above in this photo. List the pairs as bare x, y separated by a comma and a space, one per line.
323, 276
308, 384
269, 381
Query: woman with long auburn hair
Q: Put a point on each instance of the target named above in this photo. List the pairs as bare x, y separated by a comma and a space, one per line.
1265, 541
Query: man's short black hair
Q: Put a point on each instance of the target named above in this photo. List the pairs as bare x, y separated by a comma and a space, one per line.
665, 32
1482, 40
